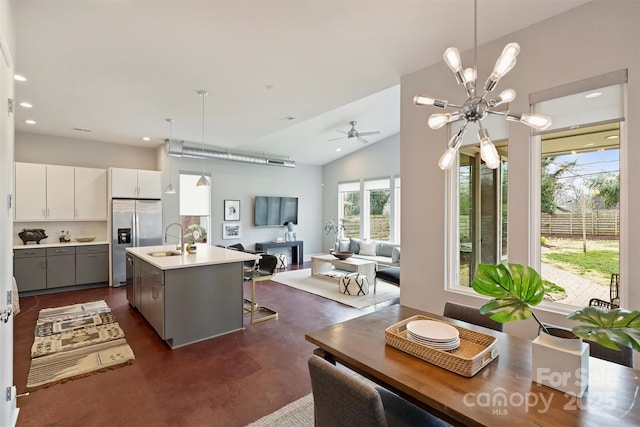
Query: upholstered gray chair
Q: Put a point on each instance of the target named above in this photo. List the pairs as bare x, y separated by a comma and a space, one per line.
470, 315
341, 399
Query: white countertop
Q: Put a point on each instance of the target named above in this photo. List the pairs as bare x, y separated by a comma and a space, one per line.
34, 245
206, 255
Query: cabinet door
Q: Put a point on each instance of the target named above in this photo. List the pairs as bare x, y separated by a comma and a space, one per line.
61, 266
30, 192
156, 308
90, 194
149, 184
92, 264
124, 183
60, 194
30, 272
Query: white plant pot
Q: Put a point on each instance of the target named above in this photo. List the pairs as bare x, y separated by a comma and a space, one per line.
560, 363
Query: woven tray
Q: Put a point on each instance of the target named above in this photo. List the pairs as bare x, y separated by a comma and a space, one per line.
476, 349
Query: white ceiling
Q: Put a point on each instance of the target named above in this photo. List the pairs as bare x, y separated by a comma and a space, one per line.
120, 68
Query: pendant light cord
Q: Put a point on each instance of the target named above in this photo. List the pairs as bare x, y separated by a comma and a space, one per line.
475, 35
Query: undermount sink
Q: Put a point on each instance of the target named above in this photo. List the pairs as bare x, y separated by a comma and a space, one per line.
164, 253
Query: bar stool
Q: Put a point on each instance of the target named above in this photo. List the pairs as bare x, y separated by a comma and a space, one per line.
264, 269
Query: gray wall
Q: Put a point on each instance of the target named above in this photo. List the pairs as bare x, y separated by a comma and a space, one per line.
242, 181
54, 150
598, 37
380, 160
231, 180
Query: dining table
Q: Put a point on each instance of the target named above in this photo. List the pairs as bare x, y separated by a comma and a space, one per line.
502, 393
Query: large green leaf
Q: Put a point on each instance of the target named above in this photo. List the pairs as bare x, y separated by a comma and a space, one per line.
608, 328
514, 289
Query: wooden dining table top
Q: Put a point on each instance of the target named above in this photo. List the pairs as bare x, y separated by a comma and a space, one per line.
501, 394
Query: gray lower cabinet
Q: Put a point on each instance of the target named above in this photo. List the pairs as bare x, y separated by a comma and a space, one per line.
30, 269
92, 264
61, 267
151, 285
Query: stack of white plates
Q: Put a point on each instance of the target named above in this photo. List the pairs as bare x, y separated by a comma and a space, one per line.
434, 334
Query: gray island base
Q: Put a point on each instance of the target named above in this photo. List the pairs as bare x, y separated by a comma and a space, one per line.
188, 298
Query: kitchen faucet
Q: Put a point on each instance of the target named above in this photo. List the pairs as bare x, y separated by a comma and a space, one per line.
179, 246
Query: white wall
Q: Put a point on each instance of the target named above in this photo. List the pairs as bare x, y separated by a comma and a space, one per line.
593, 39
243, 181
54, 150
379, 160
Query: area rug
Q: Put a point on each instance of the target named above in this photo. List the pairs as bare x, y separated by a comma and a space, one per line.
328, 288
295, 414
75, 341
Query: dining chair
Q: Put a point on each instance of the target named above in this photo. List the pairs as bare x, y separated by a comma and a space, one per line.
264, 269
470, 315
344, 399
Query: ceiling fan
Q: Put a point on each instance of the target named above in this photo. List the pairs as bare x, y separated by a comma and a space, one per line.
354, 134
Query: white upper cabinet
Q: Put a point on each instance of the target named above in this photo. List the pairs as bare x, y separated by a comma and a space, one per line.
60, 192
136, 184
90, 194
30, 192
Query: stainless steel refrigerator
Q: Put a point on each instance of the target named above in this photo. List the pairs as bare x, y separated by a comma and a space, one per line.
133, 223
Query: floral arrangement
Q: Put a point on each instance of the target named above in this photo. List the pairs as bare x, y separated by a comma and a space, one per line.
333, 226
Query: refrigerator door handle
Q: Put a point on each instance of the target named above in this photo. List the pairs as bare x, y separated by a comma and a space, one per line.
134, 227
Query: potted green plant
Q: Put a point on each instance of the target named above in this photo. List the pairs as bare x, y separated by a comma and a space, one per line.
515, 289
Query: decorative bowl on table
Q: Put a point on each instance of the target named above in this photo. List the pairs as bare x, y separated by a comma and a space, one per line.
86, 239
342, 255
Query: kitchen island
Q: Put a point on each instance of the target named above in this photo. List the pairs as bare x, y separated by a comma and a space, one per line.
187, 298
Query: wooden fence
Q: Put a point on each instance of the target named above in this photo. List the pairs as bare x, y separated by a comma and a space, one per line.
598, 223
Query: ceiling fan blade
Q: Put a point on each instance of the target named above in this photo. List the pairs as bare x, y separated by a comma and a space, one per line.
376, 132
364, 141
341, 131
335, 139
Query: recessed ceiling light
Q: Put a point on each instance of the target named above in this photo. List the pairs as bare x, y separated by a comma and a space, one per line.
612, 137
146, 138
19, 78
591, 144
290, 118
82, 130
30, 122
26, 105
338, 149
593, 95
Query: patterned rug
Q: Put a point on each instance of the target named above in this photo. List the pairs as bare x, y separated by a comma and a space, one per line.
76, 341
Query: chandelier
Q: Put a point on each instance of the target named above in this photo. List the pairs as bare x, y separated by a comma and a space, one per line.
477, 106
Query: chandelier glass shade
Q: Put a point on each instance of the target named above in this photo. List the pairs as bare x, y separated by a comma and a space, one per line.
203, 181
478, 106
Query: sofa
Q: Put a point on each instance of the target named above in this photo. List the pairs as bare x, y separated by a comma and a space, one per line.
385, 254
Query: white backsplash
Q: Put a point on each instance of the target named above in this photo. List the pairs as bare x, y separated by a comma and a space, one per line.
53, 230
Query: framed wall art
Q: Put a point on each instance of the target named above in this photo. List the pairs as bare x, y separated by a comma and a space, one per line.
230, 230
232, 210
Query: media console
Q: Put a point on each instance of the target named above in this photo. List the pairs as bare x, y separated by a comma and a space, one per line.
297, 249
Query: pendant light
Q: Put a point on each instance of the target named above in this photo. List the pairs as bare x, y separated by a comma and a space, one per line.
476, 107
203, 181
169, 188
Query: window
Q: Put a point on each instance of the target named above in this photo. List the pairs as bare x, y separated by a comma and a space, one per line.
349, 208
195, 208
377, 204
580, 195
479, 234
375, 216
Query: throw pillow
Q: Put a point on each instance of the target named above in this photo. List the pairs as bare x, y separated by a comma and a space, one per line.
343, 245
386, 249
368, 247
395, 255
354, 246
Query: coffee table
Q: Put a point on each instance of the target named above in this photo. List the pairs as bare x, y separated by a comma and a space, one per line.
326, 263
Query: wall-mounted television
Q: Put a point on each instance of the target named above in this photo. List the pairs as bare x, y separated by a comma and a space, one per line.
275, 211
